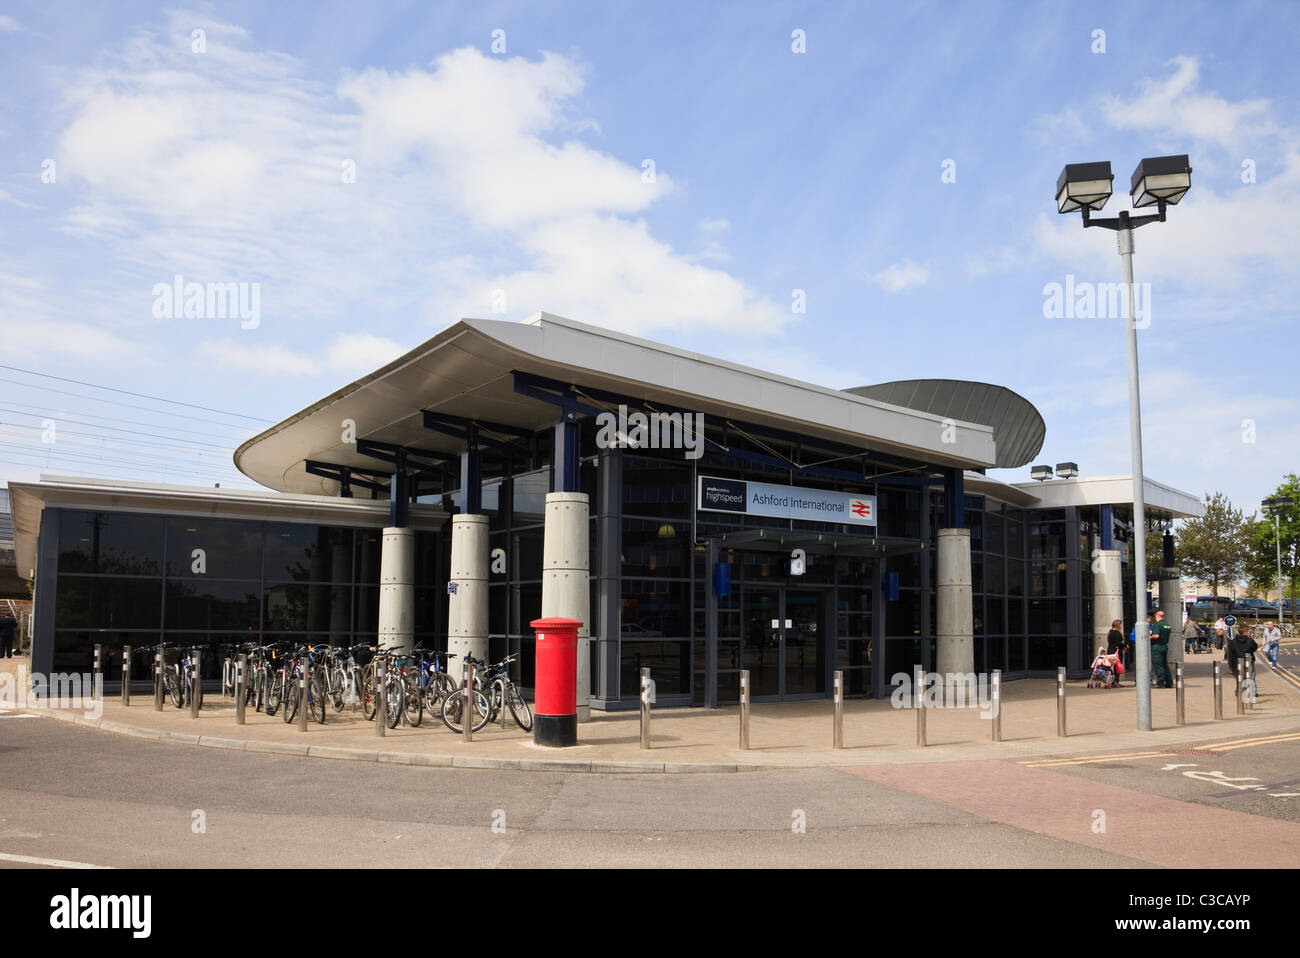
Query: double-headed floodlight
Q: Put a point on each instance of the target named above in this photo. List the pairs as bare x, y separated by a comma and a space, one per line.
1160, 179
1083, 186
1067, 470
1040, 473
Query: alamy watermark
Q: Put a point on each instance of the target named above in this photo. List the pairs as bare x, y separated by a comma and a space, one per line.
945, 690
181, 300
654, 430
58, 690
1085, 300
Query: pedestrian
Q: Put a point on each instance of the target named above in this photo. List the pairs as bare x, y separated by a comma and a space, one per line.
1115, 645
8, 624
1160, 652
1220, 633
1272, 641
1241, 649
1191, 632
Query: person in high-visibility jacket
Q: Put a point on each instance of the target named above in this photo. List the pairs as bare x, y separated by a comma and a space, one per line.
1160, 652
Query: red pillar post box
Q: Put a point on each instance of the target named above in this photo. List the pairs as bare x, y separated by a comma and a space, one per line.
555, 708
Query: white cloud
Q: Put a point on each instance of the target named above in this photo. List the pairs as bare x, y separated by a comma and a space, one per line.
901, 276
227, 167
347, 353
10, 24
1173, 106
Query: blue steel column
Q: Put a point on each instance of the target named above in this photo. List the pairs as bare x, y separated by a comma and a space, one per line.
568, 443
399, 497
609, 584
711, 626
1107, 526
471, 472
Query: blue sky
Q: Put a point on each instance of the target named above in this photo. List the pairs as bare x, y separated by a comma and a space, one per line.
522, 172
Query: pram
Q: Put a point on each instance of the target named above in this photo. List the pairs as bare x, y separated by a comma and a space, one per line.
1106, 670
1202, 641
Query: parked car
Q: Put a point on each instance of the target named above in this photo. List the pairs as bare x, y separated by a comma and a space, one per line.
1255, 608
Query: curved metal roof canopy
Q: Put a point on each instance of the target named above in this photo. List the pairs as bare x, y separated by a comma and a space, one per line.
467, 371
1018, 428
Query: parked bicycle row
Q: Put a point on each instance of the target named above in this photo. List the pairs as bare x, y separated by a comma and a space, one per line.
415, 682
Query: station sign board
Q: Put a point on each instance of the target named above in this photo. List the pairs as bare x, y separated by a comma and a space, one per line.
743, 497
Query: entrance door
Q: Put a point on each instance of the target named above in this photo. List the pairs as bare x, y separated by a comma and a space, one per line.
783, 643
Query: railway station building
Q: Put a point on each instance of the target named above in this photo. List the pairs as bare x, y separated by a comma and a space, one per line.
735, 519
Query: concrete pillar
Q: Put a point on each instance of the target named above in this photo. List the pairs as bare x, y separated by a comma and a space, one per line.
397, 589
565, 587
467, 607
1171, 603
1107, 597
954, 629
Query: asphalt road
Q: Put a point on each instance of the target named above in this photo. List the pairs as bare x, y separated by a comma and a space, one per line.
70, 794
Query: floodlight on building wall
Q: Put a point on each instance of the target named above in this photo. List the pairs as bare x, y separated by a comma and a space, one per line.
1083, 186
1160, 179
1067, 470
1041, 472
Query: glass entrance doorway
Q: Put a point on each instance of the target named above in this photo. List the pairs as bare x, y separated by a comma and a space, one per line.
783, 641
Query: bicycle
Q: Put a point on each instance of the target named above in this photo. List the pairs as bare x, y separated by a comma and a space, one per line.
503, 693
393, 688
303, 663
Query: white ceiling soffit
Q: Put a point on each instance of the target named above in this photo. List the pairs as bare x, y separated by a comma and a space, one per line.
466, 371
1113, 490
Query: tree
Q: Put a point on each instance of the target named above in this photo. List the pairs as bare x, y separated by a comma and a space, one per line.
1261, 561
1213, 548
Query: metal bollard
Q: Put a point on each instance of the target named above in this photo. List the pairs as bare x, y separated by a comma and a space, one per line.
1218, 690
997, 705
1241, 698
241, 691
644, 695
837, 740
126, 675
158, 681
1180, 706
99, 664
196, 690
1060, 702
1251, 689
381, 699
467, 718
918, 703
302, 697
744, 709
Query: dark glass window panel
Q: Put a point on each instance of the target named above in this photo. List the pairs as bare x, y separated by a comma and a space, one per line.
307, 553
528, 660
852, 653
366, 620
656, 487
854, 625
728, 654
525, 559
1015, 577
901, 656
993, 538
1015, 539
728, 688
977, 572
108, 603
1047, 540
669, 664
1015, 653
1048, 577
857, 682
500, 490
368, 548
656, 548
1047, 617
1015, 617
308, 608
975, 523
427, 550
853, 572
697, 690
854, 600
74, 652
426, 609
653, 608
113, 543
995, 581
232, 548
1046, 654
204, 604
908, 568
526, 607
994, 615
903, 615
498, 607
996, 646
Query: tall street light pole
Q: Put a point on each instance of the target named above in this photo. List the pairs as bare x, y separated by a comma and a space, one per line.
1158, 181
1276, 505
